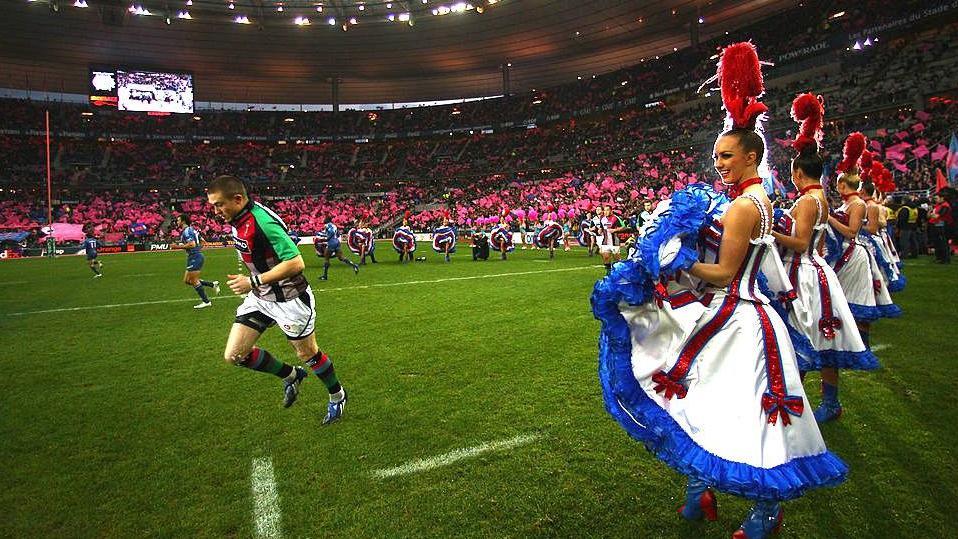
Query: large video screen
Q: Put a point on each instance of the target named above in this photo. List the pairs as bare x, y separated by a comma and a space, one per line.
150, 91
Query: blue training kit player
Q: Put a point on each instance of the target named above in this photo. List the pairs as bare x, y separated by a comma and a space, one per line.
192, 243
334, 248
90, 245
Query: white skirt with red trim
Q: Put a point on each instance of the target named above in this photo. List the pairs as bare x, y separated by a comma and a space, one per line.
712, 370
854, 274
820, 315
883, 302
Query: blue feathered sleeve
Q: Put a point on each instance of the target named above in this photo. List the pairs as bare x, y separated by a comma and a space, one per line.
689, 210
633, 280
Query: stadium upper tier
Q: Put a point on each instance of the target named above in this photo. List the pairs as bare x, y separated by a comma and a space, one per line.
801, 42
862, 90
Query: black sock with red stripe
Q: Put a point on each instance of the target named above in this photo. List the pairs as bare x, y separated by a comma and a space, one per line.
262, 361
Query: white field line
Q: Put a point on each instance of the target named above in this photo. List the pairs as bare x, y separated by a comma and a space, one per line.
315, 291
266, 513
456, 455
115, 305
880, 347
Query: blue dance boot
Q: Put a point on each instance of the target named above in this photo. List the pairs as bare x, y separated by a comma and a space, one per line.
763, 520
699, 502
830, 408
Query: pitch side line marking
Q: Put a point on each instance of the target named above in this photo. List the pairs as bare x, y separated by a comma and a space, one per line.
266, 513
880, 347
114, 305
456, 455
315, 291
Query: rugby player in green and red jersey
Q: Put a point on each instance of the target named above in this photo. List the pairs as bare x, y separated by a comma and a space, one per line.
278, 293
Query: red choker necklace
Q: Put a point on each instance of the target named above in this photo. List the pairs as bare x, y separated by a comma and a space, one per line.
847, 196
808, 188
737, 189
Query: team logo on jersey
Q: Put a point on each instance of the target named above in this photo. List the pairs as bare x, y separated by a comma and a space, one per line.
240, 244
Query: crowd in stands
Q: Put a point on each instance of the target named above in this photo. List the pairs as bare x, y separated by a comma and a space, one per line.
898, 91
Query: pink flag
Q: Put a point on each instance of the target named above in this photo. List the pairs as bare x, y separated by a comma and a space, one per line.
922, 116
678, 185
876, 145
940, 153
654, 173
882, 132
900, 167
68, 232
894, 156
918, 127
901, 135
920, 151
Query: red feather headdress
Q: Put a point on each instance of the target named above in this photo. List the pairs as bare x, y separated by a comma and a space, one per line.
809, 110
854, 146
865, 163
740, 78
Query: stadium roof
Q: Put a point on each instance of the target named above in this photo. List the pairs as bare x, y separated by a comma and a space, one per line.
272, 60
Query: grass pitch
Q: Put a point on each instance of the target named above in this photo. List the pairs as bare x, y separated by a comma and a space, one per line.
124, 420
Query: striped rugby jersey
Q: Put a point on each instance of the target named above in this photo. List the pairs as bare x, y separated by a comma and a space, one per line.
262, 240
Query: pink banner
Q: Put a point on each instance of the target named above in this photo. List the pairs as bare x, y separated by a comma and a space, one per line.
901, 135
920, 151
894, 156
900, 167
876, 145
918, 128
941, 151
68, 232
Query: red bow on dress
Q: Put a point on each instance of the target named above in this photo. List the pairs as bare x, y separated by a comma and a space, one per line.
781, 406
669, 386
